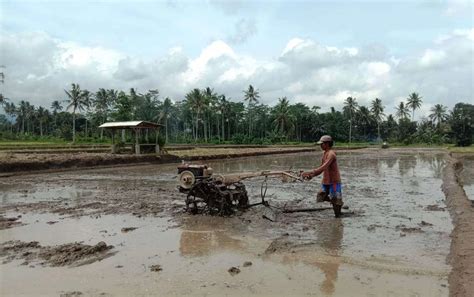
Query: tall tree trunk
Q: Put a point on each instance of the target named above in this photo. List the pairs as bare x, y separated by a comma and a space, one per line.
205, 129
350, 132
74, 126
223, 128
197, 128
166, 129
41, 128
218, 127
378, 131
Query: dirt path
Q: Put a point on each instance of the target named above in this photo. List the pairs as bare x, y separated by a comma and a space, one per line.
461, 257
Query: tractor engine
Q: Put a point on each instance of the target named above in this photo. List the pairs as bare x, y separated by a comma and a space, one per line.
210, 194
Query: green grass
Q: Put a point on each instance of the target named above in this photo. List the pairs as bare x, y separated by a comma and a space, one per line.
464, 150
42, 144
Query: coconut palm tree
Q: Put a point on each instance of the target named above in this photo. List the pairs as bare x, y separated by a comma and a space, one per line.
438, 114
196, 102
77, 100
350, 107
102, 104
22, 112
251, 96
284, 120
414, 102
377, 110
42, 114
87, 104
364, 119
401, 111
10, 109
3, 100
223, 107
112, 96
210, 103
55, 106
165, 112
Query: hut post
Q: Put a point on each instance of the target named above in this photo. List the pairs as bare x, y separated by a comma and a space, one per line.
114, 147
137, 144
157, 146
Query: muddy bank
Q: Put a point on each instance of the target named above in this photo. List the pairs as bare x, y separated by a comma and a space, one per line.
17, 163
71, 254
34, 162
461, 257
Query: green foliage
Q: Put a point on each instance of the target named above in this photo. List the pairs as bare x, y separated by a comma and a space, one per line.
239, 138
462, 123
161, 141
205, 116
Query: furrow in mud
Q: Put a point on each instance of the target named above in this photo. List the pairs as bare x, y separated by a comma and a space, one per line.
461, 257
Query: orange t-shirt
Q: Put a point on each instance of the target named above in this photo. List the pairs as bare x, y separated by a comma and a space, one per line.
329, 168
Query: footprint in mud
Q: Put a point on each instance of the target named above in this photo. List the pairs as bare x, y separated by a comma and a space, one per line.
434, 207
71, 294
406, 229
234, 271
156, 268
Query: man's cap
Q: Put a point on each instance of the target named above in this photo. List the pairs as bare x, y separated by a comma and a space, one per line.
324, 138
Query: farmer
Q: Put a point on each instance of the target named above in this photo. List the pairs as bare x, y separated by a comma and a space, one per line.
331, 183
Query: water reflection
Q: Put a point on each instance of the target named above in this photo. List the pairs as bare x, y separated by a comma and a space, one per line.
390, 162
201, 238
329, 237
286, 162
407, 163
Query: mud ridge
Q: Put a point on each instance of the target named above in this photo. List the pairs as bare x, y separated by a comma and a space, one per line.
6, 223
461, 257
81, 160
70, 254
13, 164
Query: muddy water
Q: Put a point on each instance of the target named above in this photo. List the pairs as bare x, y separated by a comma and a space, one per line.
467, 177
390, 244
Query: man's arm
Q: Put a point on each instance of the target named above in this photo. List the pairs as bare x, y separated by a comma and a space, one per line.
315, 172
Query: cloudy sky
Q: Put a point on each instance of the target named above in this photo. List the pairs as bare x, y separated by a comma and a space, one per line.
315, 52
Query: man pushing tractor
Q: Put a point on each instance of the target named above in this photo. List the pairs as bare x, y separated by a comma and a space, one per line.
331, 184
221, 194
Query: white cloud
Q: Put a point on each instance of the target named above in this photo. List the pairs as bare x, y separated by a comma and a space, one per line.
202, 66
458, 7
244, 29
41, 67
72, 55
228, 7
432, 57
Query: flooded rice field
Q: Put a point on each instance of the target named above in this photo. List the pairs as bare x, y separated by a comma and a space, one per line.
467, 177
123, 231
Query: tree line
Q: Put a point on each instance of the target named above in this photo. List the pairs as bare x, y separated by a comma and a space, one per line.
205, 116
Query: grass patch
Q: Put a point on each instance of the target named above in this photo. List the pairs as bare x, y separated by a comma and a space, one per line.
462, 149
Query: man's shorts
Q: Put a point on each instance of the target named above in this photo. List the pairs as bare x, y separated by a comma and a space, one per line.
331, 191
